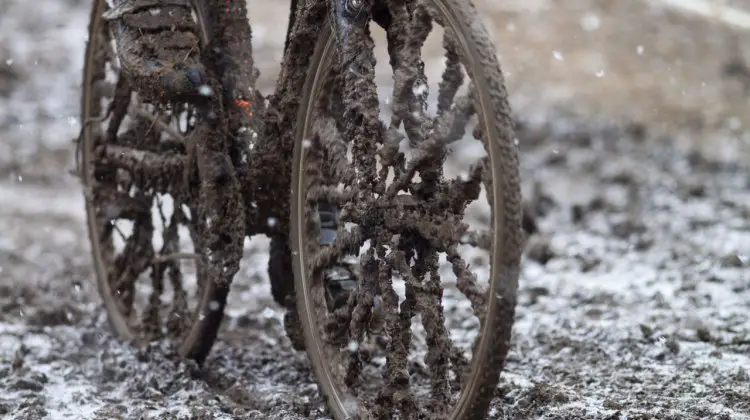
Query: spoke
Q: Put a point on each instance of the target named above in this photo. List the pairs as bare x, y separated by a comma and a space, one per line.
119, 109
460, 363
365, 300
119, 205
178, 316
396, 375
335, 149
331, 195
134, 259
450, 126
409, 306
347, 242
426, 153
429, 302
108, 51
103, 88
406, 36
151, 320
467, 283
362, 128
453, 75
149, 169
465, 189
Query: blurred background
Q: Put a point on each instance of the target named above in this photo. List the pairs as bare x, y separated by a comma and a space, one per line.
649, 63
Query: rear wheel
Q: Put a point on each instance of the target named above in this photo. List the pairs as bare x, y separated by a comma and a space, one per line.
430, 209
145, 219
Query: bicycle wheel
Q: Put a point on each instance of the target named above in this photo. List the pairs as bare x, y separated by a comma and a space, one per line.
144, 219
411, 215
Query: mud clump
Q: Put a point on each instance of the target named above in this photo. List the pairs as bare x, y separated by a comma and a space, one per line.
539, 397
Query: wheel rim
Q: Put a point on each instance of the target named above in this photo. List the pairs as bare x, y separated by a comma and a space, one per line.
116, 160
503, 265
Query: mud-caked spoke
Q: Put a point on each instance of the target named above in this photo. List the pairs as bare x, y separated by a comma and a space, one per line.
362, 126
335, 149
406, 36
466, 188
157, 171
431, 308
453, 75
396, 393
451, 124
134, 260
347, 242
467, 283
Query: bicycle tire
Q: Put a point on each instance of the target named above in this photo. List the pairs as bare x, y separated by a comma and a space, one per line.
507, 242
198, 340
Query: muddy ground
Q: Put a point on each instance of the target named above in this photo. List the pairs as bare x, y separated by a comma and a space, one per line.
634, 300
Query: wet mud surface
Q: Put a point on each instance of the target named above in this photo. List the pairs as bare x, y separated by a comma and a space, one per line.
635, 295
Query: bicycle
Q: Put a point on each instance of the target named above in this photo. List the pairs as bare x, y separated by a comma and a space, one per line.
228, 163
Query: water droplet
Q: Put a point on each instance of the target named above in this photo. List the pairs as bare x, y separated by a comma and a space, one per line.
639, 49
205, 90
306, 144
558, 55
271, 222
214, 305
590, 22
599, 73
9, 62
353, 346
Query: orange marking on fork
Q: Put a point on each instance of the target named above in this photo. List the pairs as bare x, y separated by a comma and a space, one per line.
244, 104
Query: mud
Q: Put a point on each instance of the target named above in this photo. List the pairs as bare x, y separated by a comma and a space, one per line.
633, 298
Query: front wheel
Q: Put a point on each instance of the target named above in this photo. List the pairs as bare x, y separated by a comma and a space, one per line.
430, 211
